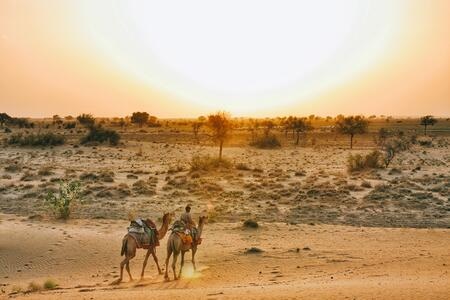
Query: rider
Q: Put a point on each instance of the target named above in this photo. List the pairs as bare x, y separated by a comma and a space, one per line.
186, 218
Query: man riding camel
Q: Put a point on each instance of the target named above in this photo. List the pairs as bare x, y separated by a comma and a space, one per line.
189, 224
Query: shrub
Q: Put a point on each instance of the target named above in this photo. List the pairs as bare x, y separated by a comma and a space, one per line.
87, 120
101, 135
34, 287
242, 167
357, 162
63, 203
394, 146
425, 143
366, 184
50, 284
206, 163
266, 142
20, 122
251, 224
36, 140
45, 171
70, 125
373, 160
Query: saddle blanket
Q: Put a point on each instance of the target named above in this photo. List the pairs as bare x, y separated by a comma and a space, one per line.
143, 240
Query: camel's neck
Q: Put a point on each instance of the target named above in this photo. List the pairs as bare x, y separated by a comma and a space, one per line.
200, 229
163, 230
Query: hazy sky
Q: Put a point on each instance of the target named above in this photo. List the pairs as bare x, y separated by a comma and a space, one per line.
251, 58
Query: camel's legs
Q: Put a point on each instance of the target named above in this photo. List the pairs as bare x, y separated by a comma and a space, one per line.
182, 263
169, 253
174, 264
194, 249
122, 264
145, 262
128, 270
156, 260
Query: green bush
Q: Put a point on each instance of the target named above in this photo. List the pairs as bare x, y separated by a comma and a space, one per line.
65, 200
36, 140
266, 142
50, 284
357, 162
100, 135
207, 163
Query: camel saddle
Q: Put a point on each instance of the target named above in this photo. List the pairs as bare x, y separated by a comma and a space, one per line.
144, 232
179, 228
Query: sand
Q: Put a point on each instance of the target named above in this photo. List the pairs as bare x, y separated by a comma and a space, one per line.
298, 261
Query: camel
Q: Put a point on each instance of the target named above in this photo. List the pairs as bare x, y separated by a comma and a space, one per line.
129, 247
176, 246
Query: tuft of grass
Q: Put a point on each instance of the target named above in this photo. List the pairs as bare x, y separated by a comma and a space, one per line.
34, 287
12, 168
266, 142
16, 289
207, 163
50, 284
357, 162
366, 184
99, 134
242, 167
36, 140
45, 171
251, 224
254, 250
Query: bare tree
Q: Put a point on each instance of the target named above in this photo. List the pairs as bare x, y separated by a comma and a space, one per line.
352, 125
196, 125
221, 126
427, 121
300, 125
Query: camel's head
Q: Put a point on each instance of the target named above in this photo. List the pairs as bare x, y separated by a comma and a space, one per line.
202, 220
167, 217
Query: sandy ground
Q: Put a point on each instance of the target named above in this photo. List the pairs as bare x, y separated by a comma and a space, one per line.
299, 261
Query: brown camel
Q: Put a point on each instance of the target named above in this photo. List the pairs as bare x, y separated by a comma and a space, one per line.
176, 246
129, 247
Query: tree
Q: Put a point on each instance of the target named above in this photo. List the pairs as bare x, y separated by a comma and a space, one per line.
393, 146
300, 125
196, 125
220, 125
87, 120
352, 125
139, 118
4, 118
268, 125
57, 120
153, 121
427, 121
383, 134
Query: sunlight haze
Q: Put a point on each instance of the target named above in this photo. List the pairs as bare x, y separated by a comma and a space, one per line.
262, 58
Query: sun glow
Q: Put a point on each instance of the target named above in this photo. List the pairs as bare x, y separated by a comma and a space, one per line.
243, 55
188, 272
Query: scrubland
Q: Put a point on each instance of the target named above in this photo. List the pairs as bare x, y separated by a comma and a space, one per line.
324, 231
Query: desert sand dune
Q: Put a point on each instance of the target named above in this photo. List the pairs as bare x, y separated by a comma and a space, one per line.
297, 261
